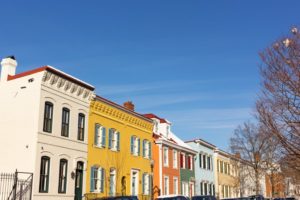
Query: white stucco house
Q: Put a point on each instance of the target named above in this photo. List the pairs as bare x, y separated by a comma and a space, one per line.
43, 129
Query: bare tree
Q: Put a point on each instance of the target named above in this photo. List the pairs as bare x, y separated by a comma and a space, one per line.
255, 148
279, 103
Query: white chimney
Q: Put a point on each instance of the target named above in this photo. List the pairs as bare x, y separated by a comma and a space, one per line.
8, 67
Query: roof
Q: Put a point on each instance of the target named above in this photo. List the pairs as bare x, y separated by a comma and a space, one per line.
151, 116
54, 71
122, 108
203, 142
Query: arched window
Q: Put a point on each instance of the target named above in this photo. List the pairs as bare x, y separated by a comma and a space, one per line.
62, 179
44, 174
48, 117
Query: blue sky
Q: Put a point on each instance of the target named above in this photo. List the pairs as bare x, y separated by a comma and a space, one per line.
192, 62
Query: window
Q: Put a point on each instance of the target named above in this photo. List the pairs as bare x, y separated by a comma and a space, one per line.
48, 116
218, 165
182, 160
81, 122
62, 179
114, 140
166, 185
100, 135
200, 160
112, 182
135, 146
146, 184
205, 188
185, 189
175, 185
204, 162
65, 122
208, 162
201, 188
166, 156
225, 168
44, 174
190, 162
175, 160
168, 131
146, 149
221, 166
97, 179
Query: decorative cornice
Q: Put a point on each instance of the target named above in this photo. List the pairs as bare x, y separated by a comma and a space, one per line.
61, 84
117, 114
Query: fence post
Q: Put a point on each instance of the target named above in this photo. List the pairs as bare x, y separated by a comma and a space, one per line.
15, 185
31, 183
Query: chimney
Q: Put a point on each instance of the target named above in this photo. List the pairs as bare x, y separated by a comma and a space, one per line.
8, 67
129, 105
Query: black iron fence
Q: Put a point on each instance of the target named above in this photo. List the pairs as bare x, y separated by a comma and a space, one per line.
16, 186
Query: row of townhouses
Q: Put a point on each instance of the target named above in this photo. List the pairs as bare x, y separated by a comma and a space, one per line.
68, 143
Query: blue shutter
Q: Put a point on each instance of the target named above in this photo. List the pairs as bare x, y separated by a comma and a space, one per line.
118, 141
144, 148
110, 135
150, 151
103, 137
139, 146
131, 144
92, 186
96, 134
102, 179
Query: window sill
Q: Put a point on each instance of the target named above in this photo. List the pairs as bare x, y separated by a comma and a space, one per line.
98, 147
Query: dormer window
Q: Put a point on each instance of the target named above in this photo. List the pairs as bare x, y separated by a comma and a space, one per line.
167, 131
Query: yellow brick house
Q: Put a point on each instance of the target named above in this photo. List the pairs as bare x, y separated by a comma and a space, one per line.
119, 150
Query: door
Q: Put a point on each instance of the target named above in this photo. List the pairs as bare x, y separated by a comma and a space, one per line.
79, 181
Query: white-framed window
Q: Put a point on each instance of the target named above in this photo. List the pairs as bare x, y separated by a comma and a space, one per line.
190, 162
166, 185
175, 185
168, 130
175, 159
114, 140
182, 160
166, 156
97, 179
155, 126
100, 136
204, 161
135, 146
134, 181
146, 149
146, 184
185, 189
112, 182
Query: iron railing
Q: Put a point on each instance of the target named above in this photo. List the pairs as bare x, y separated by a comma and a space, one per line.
16, 186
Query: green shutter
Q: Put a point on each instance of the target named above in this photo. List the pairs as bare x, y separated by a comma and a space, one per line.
118, 141
102, 179
110, 135
144, 148
96, 134
92, 186
131, 144
139, 146
103, 137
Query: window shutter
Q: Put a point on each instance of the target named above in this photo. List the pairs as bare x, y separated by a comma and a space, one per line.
143, 184
118, 141
102, 179
96, 142
110, 135
139, 145
150, 150
103, 137
200, 159
144, 148
92, 186
131, 144
189, 162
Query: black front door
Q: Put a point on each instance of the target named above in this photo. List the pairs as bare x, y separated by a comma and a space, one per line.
78, 181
